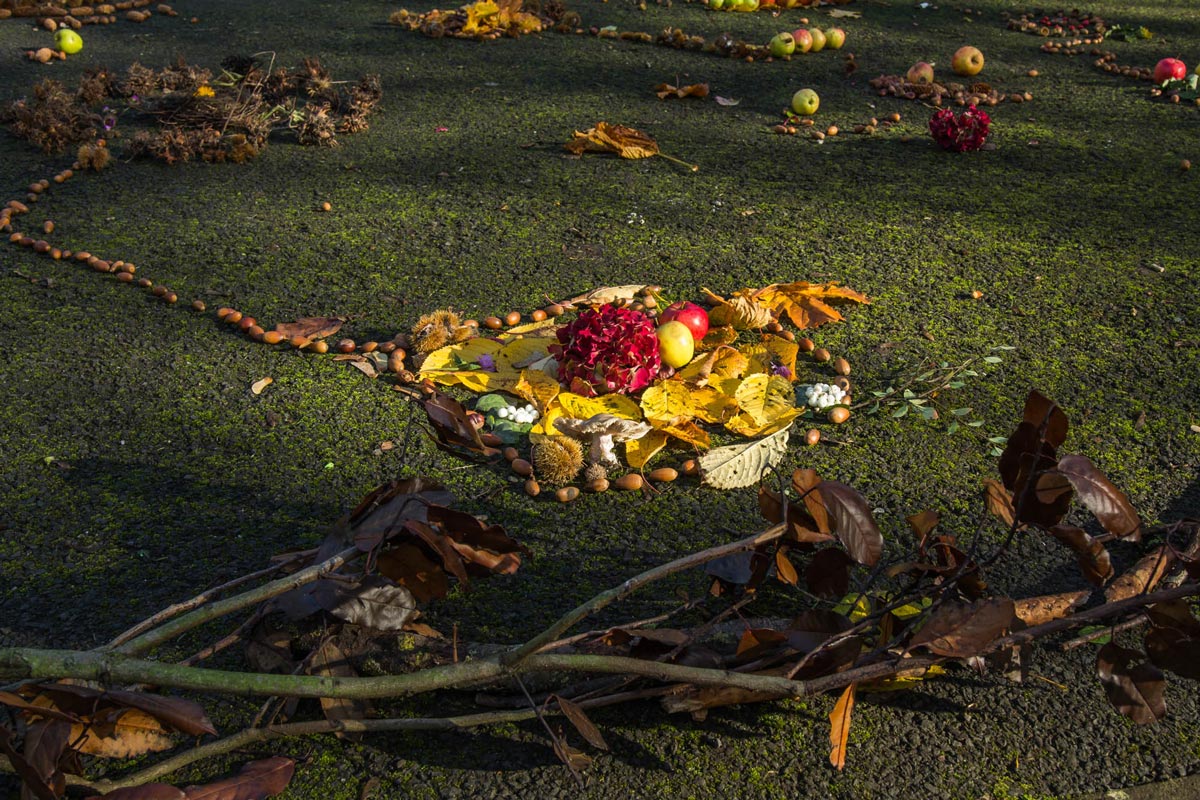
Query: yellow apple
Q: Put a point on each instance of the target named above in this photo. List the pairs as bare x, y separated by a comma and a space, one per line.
675, 344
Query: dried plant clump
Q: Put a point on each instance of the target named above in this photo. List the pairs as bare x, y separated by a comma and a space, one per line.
558, 459
438, 329
52, 119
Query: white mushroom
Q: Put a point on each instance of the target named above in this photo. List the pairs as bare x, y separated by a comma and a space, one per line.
603, 431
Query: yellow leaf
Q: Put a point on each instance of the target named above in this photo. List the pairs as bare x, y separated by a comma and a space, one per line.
668, 402
745, 425
905, 680
476, 380
452, 357
639, 451
839, 727
712, 405
545, 424
688, 432
765, 397
543, 329
717, 336
580, 407
807, 304
775, 350
743, 310
538, 388
481, 17
724, 362
121, 733
620, 139
520, 353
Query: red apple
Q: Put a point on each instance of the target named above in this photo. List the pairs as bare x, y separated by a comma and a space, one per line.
967, 61
1169, 69
920, 73
803, 39
693, 317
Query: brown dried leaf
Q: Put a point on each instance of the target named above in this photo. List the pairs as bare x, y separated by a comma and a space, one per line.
1142, 576
1135, 691
374, 603
961, 630
784, 569
147, 791
311, 327
1045, 608
1108, 503
1094, 561
999, 501
605, 295
258, 779
839, 727
807, 305
40, 776
260, 384
176, 713
574, 759
828, 573
922, 524
666, 90
580, 720
408, 565
121, 733
741, 311
451, 426
382, 512
619, 139
33, 710
1174, 650
852, 520
329, 661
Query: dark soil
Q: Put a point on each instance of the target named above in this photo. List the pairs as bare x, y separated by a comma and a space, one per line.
140, 468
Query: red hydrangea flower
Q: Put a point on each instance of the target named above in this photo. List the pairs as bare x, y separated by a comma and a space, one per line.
967, 131
607, 350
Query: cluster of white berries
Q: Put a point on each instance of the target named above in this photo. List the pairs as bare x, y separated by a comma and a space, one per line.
522, 415
822, 395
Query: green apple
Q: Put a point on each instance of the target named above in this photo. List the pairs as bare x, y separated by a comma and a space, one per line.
675, 344
967, 61
782, 44
68, 41
835, 38
716, 5
819, 40
805, 102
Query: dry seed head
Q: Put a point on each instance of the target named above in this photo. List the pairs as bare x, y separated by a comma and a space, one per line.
595, 472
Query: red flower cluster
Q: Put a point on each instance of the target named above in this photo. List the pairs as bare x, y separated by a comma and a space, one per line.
967, 131
607, 350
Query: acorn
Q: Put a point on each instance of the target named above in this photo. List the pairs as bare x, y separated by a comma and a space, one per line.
511, 454
48, 226
839, 414
821, 355
387, 347
554, 310
689, 467
233, 317
326, 206
532, 488
512, 318
522, 467
320, 347
346, 346
124, 277
566, 494
247, 323
598, 485
812, 437
197, 305
170, 297
145, 283
663, 475
300, 342
489, 439
369, 347
806, 344
629, 483
396, 360
161, 291
539, 315
495, 323
841, 366
222, 312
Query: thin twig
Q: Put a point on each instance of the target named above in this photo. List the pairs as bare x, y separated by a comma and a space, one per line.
226, 641
1129, 624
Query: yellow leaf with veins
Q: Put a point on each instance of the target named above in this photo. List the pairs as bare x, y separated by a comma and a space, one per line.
712, 405
765, 397
454, 357
580, 407
775, 350
668, 402
639, 451
537, 387
745, 425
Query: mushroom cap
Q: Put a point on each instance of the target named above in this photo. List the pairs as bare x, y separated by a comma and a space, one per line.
621, 430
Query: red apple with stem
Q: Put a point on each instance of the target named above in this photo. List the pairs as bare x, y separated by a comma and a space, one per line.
693, 317
1169, 69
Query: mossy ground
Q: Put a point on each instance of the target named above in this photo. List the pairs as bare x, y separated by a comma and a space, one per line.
168, 477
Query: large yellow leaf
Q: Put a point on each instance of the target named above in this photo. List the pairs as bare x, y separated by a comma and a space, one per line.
620, 139
688, 432
765, 397
773, 351
482, 382
452, 358
807, 305
724, 362
639, 451
579, 407
520, 353
745, 425
712, 405
536, 387
668, 402
545, 424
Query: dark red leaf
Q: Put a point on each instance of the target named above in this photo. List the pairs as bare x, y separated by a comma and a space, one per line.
1027, 457
806, 482
851, 518
1174, 650
1135, 691
828, 574
45, 743
580, 720
33, 782
311, 327
961, 630
1110, 505
1040, 410
802, 527
408, 565
452, 427
147, 791
257, 780
1093, 557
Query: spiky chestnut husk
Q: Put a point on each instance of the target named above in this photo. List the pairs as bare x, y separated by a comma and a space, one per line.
594, 472
557, 460
438, 329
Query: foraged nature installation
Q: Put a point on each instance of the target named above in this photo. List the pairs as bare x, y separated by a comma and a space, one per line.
868, 614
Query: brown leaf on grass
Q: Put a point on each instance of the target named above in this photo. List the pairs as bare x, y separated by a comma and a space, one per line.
999, 501
1135, 690
329, 661
40, 775
1045, 608
451, 426
1142, 576
922, 524
408, 565
1094, 561
839, 727
375, 603
311, 327
741, 311
486, 549
852, 520
961, 630
666, 90
579, 719
806, 482
382, 513
257, 780
176, 713
808, 305
147, 791
1108, 503
619, 139
801, 526
574, 759
605, 295
120, 733
784, 569
360, 363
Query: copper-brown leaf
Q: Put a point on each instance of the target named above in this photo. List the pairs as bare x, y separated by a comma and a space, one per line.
1108, 503
852, 520
808, 305
1045, 608
258, 779
666, 90
1136, 690
580, 720
839, 726
311, 327
622, 140
120, 733
1093, 557
999, 501
961, 630
1142, 576
329, 661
